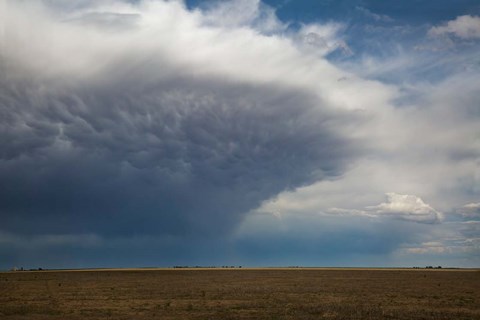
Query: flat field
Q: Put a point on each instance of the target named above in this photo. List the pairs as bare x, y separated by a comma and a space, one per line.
241, 294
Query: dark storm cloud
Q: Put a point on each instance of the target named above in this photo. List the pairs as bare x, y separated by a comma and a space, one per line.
145, 133
171, 156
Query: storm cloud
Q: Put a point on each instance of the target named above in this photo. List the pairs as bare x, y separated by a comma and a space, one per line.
156, 132
120, 137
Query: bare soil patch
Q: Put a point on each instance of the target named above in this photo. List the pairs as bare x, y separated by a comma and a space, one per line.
241, 294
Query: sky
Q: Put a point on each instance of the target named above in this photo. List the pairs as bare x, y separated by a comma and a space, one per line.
241, 132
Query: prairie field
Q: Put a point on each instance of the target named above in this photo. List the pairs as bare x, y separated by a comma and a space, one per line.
241, 294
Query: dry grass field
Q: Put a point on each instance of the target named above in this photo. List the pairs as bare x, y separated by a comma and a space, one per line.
241, 294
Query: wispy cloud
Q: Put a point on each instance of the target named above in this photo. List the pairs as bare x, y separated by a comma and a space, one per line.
469, 211
375, 16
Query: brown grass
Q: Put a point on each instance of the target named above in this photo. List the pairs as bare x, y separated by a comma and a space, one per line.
241, 294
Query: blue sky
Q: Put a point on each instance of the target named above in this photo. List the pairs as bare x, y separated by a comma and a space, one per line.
274, 133
408, 12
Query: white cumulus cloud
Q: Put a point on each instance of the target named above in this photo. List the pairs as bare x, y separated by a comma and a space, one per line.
398, 206
406, 207
464, 27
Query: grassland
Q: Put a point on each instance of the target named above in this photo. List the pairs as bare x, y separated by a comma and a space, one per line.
241, 294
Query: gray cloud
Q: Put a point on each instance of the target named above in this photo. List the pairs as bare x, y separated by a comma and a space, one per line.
148, 128
164, 154
470, 211
315, 239
142, 145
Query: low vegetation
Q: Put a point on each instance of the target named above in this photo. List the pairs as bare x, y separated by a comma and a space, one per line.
241, 294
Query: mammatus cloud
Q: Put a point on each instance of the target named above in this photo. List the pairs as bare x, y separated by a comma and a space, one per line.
145, 127
464, 27
126, 119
